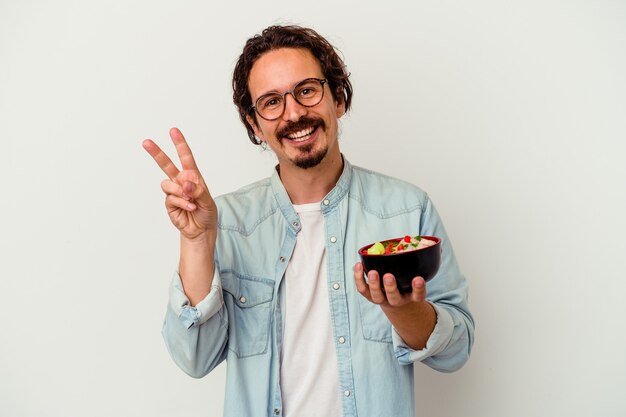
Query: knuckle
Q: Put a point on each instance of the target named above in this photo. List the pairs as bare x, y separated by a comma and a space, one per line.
377, 296
377, 300
395, 301
166, 186
391, 292
170, 200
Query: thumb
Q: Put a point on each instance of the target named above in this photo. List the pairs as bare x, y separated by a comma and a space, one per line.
197, 191
189, 188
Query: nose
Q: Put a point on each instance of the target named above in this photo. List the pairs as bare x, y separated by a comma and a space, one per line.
293, 110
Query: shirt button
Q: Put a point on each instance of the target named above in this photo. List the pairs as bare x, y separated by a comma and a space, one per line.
296, 224
326, 202
276, 411
342, 339
242, 299
346, 393
333, 239
282, 259
336, 286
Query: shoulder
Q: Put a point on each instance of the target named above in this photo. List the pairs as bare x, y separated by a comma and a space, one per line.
245, 194
244, 208
384, 194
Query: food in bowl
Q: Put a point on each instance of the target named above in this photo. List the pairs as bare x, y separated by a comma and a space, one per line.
405, 257
407, 243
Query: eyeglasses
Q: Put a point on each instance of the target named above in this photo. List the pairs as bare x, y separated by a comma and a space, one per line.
307, 93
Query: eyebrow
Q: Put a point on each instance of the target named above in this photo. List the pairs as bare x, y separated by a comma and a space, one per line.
279, 92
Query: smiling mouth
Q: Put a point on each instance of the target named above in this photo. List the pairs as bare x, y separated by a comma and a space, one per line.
301, 130
301, 135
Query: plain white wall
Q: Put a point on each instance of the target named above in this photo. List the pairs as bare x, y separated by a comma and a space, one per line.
511, 114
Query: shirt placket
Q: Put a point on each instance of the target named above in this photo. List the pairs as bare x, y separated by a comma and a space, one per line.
289, 243
338, 303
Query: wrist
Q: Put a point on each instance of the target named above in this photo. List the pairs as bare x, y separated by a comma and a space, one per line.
197, 265
414, 322
205, 239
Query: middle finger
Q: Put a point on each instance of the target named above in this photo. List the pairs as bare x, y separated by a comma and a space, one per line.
183, 149
391, 290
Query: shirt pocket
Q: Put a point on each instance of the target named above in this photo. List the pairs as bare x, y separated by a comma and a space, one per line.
374, 324
248, 302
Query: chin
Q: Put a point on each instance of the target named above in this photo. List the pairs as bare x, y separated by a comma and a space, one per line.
311, 159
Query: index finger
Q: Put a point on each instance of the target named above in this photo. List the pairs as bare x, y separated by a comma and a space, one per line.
164, 162
359, 280
183, 150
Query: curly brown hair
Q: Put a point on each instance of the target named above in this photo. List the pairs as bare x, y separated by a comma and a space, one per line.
288, 36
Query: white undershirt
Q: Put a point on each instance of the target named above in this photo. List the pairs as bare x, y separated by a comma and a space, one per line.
309, 379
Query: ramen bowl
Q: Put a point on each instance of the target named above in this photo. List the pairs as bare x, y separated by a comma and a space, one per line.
404, 265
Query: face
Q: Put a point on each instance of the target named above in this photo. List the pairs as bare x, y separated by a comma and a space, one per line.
303, 136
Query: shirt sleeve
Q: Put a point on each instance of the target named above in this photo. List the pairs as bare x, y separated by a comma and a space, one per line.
447, 350
438, 340
196, 337
205, 309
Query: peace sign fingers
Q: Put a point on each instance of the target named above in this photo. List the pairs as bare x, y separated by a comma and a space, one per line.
164, 162
188, 200
183, 150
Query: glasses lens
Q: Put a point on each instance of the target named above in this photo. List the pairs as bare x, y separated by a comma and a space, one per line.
309, 92
270, 106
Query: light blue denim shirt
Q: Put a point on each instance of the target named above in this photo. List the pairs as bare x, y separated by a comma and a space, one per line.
241, 320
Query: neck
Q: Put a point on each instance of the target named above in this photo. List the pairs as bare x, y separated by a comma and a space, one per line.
312, 184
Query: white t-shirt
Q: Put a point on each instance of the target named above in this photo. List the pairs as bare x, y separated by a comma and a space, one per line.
309, 378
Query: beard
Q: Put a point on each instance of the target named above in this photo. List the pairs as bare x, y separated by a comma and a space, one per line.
308, 157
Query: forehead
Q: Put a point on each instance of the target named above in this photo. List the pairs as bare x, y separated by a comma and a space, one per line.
280, 69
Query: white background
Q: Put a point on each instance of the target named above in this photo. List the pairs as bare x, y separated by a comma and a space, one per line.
511, 114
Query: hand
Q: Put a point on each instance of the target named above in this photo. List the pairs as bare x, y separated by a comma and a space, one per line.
411, 315
387, 296
188, 201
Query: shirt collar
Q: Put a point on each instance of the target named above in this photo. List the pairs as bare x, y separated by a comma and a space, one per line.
334, 196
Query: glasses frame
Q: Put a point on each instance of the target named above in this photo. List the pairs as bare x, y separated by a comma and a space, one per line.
322, 81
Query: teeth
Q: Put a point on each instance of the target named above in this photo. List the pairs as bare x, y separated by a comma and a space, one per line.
301, 135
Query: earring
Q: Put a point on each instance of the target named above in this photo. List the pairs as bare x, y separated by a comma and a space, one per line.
264, 145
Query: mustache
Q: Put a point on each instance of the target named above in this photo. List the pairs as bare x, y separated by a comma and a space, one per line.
302, 123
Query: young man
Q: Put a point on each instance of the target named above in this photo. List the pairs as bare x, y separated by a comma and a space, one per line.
269, 277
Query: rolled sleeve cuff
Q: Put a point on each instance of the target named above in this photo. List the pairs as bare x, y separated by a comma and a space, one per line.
194, 316
438, 340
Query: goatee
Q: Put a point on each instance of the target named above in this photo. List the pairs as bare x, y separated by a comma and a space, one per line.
310, 159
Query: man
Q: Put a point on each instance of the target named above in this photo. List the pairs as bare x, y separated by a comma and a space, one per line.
269, 278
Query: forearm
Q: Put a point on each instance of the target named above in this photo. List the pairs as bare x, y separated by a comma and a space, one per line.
198, 349
197, 266
414, 322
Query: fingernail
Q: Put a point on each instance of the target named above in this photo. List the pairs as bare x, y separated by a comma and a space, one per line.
191, 206
388, 280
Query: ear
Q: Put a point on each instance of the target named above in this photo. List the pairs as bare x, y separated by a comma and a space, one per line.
341, 106
256, 129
